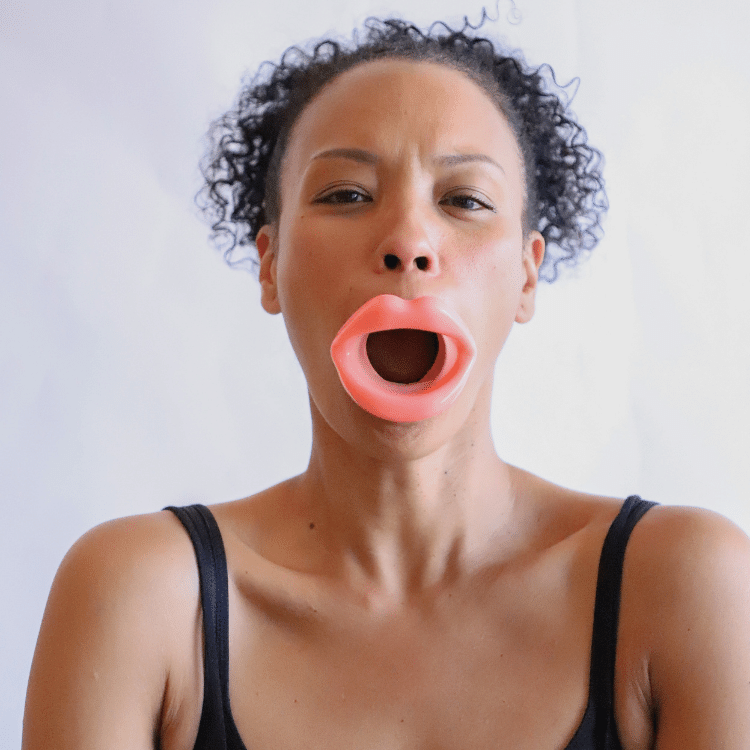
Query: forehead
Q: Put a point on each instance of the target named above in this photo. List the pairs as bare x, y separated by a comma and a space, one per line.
398, 106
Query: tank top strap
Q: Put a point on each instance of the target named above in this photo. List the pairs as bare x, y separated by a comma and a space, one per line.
217, 730
607, 612
212, 571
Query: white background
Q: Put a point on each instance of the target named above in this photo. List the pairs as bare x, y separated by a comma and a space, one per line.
138, 371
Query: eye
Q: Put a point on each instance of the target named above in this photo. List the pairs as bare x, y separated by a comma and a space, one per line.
343, 196
467, 202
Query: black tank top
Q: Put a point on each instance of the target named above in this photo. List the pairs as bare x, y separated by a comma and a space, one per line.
217, 730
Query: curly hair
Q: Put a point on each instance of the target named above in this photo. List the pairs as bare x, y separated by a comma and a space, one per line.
565, 198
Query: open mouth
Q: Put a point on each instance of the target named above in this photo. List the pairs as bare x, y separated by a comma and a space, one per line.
403, 360
403, 355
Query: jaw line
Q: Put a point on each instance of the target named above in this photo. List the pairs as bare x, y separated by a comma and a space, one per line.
404, 402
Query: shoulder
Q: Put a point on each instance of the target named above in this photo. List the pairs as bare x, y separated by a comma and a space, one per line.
119, 629
133, 556
686, 563
686, 612
132, 584
690, 548
121, 585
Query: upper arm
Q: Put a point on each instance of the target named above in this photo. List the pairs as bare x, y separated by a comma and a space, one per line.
103, 657
698, 598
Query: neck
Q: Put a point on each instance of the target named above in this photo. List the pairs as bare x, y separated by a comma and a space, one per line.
398, 521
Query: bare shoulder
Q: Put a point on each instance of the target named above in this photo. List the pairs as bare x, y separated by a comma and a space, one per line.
683, 652
686, 603
123, 603
692, 549
689, 569
137, 561
156, 537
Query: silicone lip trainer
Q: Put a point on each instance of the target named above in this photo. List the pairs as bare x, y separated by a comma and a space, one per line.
404, 402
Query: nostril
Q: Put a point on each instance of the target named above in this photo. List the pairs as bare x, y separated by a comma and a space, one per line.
391, 261
422, 262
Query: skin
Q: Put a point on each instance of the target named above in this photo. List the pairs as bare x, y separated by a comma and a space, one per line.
409, 589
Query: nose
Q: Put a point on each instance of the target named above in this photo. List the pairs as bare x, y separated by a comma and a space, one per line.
409, 243
393, 262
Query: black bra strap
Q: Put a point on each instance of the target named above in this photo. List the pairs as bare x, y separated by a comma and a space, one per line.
216, 718
607, 610
212, 570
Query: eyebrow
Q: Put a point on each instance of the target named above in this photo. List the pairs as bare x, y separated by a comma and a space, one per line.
366, 157
356, 154
451, 160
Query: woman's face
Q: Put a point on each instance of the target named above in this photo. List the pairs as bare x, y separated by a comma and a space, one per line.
399, 178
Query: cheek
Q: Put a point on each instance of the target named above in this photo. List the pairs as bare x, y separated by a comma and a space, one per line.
309, 280
310, 259
299, 261
496, 269
497, 281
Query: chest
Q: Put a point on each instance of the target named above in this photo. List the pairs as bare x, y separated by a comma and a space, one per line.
460, 675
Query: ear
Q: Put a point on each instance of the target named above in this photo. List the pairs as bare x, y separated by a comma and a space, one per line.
265, 241
533, 255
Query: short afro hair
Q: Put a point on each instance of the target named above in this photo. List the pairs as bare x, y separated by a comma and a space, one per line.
565, 198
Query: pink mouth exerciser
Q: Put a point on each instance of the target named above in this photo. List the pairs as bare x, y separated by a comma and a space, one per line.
404, 402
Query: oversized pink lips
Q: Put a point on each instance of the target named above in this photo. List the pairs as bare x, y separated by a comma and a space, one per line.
404, 402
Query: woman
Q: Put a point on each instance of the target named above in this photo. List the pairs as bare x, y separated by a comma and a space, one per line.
409, 589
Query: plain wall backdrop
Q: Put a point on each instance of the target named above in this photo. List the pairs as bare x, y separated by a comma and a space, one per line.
139, 371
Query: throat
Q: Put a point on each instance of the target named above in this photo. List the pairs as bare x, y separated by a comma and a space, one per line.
402, 355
